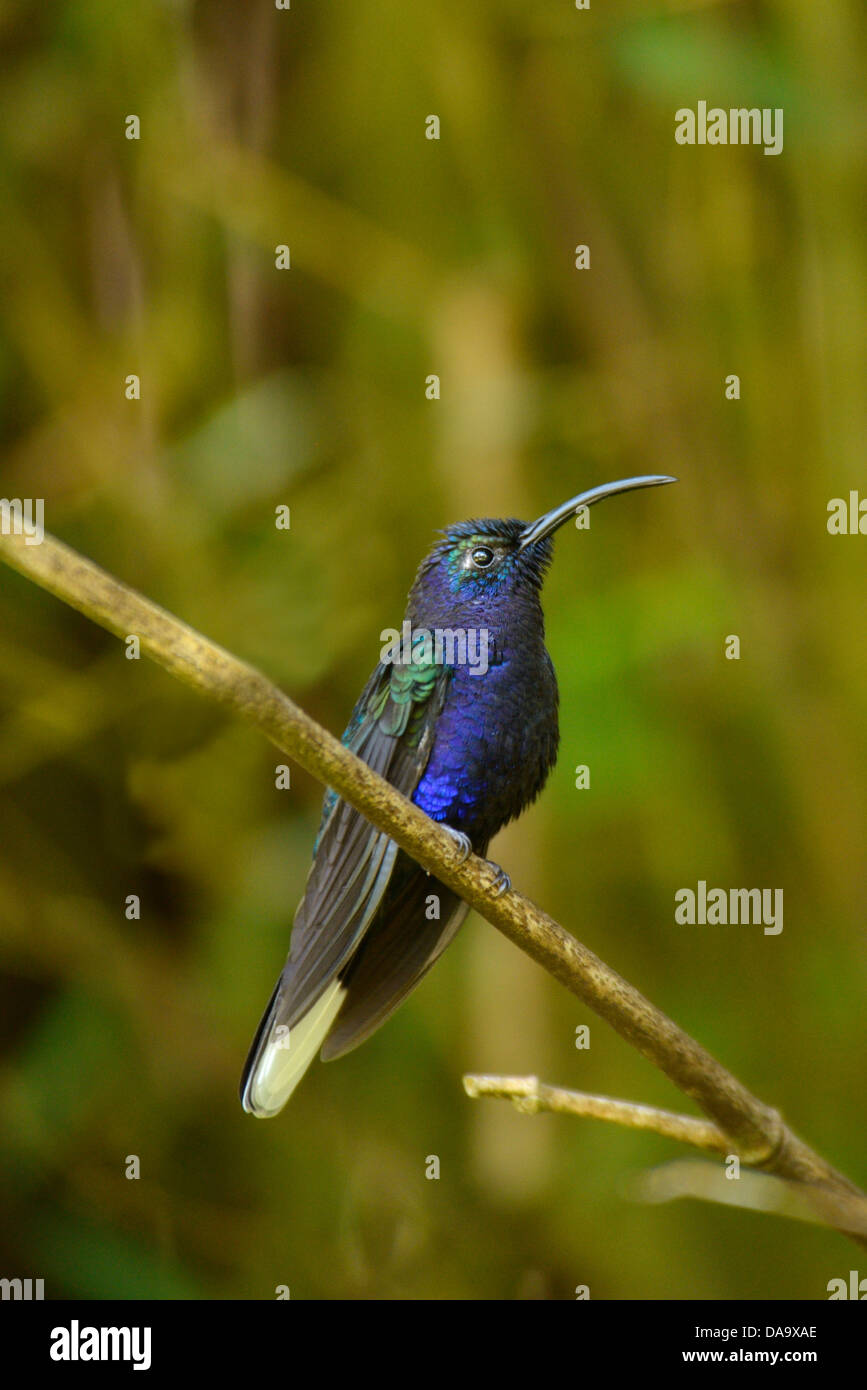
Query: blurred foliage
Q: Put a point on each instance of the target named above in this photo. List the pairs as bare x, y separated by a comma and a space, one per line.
306, 387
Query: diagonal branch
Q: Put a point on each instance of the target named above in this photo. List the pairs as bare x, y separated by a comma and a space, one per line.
756, 1131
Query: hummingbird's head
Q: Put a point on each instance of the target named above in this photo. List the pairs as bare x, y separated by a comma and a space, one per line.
479, 564
481, 559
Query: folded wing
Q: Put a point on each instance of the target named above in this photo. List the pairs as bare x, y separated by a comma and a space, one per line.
392, 730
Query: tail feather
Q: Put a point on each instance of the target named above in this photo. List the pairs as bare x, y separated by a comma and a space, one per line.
280, 1056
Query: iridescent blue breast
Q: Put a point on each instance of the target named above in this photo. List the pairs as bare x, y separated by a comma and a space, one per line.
494, 745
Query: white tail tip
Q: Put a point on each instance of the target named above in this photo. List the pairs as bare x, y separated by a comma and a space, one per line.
286, 1055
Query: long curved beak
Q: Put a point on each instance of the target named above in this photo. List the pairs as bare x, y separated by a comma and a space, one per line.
538, 530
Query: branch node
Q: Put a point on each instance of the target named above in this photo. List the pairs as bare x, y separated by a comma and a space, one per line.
530, 1103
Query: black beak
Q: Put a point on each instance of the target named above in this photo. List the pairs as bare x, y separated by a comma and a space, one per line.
538, 530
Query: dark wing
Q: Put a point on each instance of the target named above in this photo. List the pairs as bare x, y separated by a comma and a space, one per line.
392, 730
399, 948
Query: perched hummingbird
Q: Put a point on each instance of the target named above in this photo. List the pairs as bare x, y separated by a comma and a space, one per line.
472, 748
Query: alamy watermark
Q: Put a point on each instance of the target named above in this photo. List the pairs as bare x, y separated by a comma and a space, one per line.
718, 907
77, 1343
23, 518
740, 125
25, 1290
847, 518
444, 646
854, 1287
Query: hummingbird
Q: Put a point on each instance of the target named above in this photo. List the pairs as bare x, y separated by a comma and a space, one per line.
472, 747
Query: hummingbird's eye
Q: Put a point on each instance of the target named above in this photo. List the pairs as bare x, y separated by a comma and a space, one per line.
482, 557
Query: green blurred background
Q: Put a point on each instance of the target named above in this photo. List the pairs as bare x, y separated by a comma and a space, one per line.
306, 387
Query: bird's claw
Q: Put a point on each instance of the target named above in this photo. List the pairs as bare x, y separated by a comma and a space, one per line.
463, 843
502, 882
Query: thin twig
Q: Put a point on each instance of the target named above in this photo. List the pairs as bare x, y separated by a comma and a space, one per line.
530, 1095
756, 1131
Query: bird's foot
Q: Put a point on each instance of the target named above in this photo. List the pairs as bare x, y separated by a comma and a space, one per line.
463, 843
502, 882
